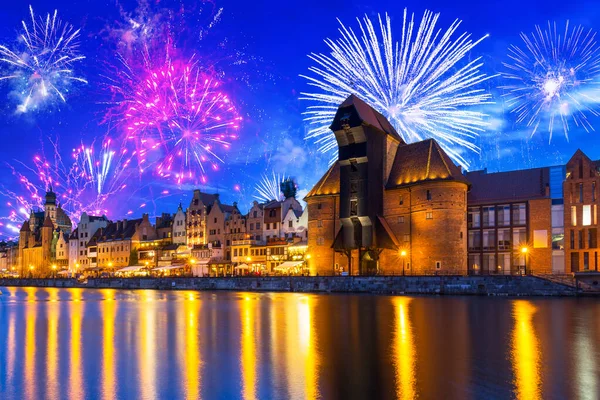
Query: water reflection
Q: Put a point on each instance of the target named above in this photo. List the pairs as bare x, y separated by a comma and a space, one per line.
525, 352
248, 350
109, 308
404, 350
110, 344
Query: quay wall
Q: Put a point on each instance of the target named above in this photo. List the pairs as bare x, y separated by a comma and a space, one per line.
428, 285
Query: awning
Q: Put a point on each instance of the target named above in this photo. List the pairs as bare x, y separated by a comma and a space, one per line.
287, 265
203, 262
167, 268
242, 266
130, 269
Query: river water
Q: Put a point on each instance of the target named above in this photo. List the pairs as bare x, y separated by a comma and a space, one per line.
109, 344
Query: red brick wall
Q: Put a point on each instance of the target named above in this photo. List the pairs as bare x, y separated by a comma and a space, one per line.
442, 238
539, 260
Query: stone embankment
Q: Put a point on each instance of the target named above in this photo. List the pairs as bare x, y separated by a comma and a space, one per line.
430, 285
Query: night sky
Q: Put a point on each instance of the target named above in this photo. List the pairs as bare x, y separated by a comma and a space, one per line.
273, 40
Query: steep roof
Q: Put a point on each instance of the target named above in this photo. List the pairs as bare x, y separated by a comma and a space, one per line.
118, 230
48, 223
206, 198
328, 185
420, 162
25, 227
370, 116
508, 186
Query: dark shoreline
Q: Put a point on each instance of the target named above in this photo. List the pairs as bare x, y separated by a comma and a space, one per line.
428, 285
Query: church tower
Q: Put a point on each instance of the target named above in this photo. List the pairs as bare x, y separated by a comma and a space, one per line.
50, 205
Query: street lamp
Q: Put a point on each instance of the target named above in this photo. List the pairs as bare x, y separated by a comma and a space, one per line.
31, 271
524, 251
54, 270
403, 255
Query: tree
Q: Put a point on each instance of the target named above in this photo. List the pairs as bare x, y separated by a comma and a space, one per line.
133, 257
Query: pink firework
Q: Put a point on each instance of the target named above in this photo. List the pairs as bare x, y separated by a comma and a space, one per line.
176, 115
93, 177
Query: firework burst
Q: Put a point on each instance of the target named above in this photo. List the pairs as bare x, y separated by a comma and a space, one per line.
554, 78
41, 67
416, 83
94, 176
269, 188
176, 110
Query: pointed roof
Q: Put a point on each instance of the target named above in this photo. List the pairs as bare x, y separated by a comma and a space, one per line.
25, 227
48, 223
368, 115
328, 185
420, 162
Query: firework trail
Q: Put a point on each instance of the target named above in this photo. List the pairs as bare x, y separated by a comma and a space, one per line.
269, 188
417, 83
41, 67
95, 176
554, 78
174, 112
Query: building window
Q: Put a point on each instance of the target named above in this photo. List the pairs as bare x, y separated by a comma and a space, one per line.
318, 206
586, 216
319, 224
572, 239
489, 216
519, 216
290, 224
489, 239
503, 239
353, 207
504, 215
428, 195
519, 237
580, 237
474, 240
438, 265
320, 240
574, 215
586, 261
429, 215
407, 238
581, 192
401, 201
594, 191
474, 217
401, 219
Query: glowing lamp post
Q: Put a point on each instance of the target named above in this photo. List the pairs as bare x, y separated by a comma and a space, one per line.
54, 270
31, 271
524, 252
403, 255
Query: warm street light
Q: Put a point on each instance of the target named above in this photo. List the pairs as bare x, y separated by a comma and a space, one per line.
403, 255
248, 259
308, 256
192, 261
524, 251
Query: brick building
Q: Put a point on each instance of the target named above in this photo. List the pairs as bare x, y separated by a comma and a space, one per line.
581, 213
382, 207
510, 226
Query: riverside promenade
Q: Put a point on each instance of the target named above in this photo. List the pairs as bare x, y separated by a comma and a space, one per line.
425, 285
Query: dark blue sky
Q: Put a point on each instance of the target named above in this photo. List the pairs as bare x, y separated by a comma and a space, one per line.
275, 37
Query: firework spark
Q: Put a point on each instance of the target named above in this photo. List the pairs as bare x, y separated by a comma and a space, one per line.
416, 83
554, 78
176, 109
86, 184
41, 67
269, 188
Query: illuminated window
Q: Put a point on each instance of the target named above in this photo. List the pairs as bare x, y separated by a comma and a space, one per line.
574, 215
587, 215
429, 215
407, 238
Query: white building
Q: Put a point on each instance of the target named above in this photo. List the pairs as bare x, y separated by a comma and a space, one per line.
88, 225
179, 227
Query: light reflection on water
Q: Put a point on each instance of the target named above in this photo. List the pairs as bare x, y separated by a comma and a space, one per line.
109, 344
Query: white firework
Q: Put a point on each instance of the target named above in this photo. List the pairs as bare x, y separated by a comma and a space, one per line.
269, 188
554, 78
417, 83
41, 67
